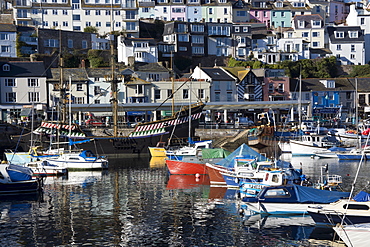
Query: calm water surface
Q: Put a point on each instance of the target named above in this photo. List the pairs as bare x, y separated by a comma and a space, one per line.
136, 203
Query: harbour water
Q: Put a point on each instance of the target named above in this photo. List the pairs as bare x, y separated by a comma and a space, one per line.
136, 203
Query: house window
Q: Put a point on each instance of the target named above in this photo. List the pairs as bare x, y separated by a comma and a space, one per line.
88, 24
301, 24
9, 82
164, 9
33, 82
97, 90
185, 93
201, 93
65, 23
197, 39
10, 97
139, 89
84, 44
217, 96
6, 67
183, 48
97, 101
70, 43
282, 14
169, 93
339, 47
339, 35
79, 100
316, 23
210, 11
97, 12
198, 50
107, 24
237, 29
315, 34
33, 97
353, 34
183, 38
241, 13
353, 48
5, 48
98, 24
225, 11
76, 17
131, 26
362, 21
79, 87
305, 34
271, 87
157, 94
352, 56
315, 44
197, 28
55, 24
87, 12
229, 96
55, 12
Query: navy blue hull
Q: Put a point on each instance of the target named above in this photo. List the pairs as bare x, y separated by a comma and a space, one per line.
19, 187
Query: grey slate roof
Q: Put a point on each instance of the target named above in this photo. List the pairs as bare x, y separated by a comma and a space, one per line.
25, 69
8, 28
150, 67
217, 74
80, 74
341, 84
307, 20
346, 38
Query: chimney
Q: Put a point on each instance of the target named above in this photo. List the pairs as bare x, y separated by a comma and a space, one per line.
83, 63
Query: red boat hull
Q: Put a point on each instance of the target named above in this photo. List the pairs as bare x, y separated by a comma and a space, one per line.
178, 167
215, 176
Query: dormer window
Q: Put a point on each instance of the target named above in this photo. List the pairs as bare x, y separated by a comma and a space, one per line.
298, 4
339, 35
301, 24
316, 23
6, 67
353, 34
279, 4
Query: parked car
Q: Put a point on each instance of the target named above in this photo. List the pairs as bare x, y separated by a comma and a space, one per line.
94, 122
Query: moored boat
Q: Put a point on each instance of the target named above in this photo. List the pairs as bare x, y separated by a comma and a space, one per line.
16, 179
290, 199
44, 168
354, 235
85, 160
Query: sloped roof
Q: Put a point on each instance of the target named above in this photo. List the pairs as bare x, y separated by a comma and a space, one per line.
217, 74
137, 81
341, 84
25, 69
346, 39
150, 67
8, 28
307, 20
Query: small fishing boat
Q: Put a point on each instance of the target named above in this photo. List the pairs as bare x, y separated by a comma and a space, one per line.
312, 143
15, 179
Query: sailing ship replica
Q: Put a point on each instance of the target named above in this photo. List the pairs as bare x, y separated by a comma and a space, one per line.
174, 129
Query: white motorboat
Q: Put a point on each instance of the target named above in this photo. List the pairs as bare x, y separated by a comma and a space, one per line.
354, 235
44, 168
311, 144
79, 160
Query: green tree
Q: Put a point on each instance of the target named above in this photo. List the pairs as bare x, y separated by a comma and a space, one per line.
360, 71
96, 60
91, 29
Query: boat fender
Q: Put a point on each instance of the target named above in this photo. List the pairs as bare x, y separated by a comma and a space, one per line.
267, 177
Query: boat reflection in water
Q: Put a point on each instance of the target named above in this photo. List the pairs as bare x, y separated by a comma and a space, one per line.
157, 162
182, 182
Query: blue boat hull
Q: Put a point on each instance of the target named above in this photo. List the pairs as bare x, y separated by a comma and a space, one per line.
19, 187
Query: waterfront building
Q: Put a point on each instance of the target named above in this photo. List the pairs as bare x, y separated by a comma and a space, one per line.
281, 14
23, 86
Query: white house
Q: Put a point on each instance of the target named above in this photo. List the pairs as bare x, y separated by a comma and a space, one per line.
347, 44
132, 50
23, 86
358, 16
